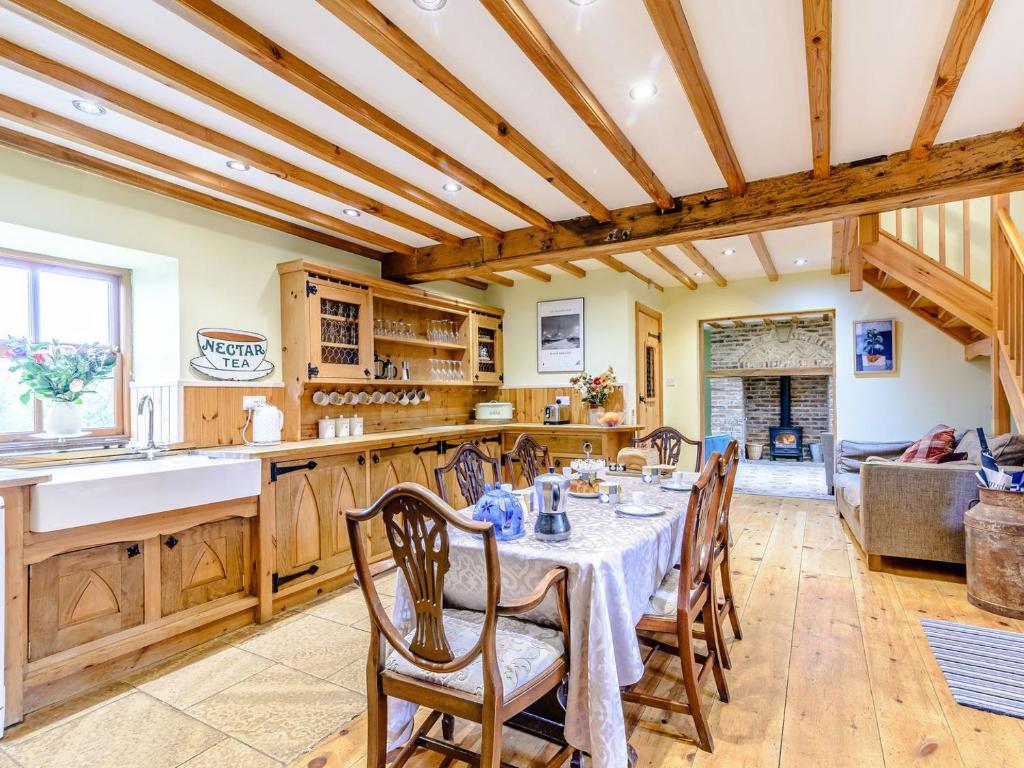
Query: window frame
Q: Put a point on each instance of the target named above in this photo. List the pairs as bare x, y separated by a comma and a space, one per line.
119, 308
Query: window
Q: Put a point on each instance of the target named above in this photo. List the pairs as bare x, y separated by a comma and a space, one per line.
47, 299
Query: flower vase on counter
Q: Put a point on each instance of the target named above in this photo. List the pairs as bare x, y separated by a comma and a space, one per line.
595, 392
63, 419
596, 414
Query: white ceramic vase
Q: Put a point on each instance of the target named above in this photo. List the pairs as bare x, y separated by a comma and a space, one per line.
63, 418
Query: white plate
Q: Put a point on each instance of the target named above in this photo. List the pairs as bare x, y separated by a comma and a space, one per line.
670, 487
639, 510
584, 495
202, 365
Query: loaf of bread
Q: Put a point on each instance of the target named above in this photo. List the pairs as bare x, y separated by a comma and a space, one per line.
635, 459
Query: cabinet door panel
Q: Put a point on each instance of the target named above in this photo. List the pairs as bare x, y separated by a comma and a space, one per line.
205, 563
340, 331
393, 466
486, 349
81, 596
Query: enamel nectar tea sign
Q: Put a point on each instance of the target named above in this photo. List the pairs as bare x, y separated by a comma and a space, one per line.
231, 355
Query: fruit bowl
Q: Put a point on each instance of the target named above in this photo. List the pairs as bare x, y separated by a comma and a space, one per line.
611, 419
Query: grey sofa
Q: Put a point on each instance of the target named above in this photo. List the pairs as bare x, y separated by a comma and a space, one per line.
899, 510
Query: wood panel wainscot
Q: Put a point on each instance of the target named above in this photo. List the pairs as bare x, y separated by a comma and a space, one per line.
528, 402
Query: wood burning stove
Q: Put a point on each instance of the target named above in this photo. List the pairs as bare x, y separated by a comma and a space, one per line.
785, 440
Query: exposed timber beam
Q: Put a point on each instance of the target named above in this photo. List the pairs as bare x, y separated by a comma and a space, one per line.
967, 168
674, 31
33, 117
963, 34
374, 27
522, 26
618, 266
838, 247
572, 269
670, 266
536, 274
54, 73
81, 29
690, 251
240, 37
480, 285
496, 278
818, 47
75, 159
761, 249
980, 348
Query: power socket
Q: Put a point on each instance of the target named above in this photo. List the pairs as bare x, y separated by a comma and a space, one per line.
252, 402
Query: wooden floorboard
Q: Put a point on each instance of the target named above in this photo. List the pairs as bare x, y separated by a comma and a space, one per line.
834, 668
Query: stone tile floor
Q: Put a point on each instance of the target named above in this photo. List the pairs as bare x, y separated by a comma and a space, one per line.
255, 698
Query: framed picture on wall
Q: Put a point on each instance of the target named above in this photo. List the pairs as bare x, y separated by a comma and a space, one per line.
874, 348
560, 336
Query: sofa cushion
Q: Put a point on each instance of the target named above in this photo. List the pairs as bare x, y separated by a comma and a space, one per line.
930, 448
1006, 449
850, 454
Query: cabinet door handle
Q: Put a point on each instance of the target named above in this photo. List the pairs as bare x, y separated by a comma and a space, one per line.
558, 462
361, 460
170, 542
134, 551
375, 458
366, 372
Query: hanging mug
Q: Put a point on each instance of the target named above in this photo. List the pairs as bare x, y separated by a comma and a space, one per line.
321, 398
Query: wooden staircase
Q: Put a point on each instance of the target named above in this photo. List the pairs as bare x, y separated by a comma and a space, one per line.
1008, 302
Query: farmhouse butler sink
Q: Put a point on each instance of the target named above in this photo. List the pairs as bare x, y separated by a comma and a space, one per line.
86, 494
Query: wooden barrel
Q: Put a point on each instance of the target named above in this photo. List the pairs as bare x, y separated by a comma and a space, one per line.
995, 552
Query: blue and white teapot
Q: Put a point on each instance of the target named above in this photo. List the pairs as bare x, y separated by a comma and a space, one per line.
499, 506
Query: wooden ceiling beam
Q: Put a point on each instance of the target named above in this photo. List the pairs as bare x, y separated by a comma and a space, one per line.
73, 158
71, 130
536, 274
838, 247
761, 249
480, 285
374, 27
618, 266
81, 29
56, 74
244, 39
674, 31
494, 277
968, 20
690, 251
670, 266
818, 47
966, 168
572, 269
522, 26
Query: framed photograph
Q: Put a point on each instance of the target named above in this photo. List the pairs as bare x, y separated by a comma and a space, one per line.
874, 348
560, 336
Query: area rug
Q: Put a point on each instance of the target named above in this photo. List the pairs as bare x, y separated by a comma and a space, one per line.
802, 480
984, 668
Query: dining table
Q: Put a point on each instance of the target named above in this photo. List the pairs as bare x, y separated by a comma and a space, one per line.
614, 563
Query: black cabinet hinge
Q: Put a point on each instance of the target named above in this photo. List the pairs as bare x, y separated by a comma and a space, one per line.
277, 581
501, 377
312, 371
310, 288
501, 326
276, 471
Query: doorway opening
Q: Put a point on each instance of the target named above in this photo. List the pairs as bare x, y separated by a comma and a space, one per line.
649, 396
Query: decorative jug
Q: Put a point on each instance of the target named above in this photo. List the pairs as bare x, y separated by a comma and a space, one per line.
500, 507
552, 495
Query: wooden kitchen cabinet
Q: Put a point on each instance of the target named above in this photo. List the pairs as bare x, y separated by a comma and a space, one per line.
202, 564
311, 498
340, 332
486, 349
409, 463
81, 596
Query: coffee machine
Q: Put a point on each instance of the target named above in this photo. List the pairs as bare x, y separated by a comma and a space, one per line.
558, 411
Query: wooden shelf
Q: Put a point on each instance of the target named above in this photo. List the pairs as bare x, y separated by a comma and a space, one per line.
417, 342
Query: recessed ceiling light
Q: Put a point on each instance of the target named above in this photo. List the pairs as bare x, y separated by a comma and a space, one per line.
643, 91
582, 2
430, 5
89, 107
800, 262
451, 186
698, 274
352, 213
237, 165
728, 251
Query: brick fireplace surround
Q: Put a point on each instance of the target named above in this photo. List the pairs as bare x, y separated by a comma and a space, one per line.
747, 405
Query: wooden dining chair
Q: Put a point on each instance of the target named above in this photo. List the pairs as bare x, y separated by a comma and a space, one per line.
669, 443
532, 457
485, 667
468, 466
686, 596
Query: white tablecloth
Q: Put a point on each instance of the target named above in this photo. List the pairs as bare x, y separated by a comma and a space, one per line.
614, 565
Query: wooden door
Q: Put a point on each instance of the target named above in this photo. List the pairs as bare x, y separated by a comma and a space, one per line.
201, 564
311, 505
340, 331
82, 596
388, 468
649, 400
486, 349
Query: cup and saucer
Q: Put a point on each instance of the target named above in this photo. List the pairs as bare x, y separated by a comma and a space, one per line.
638, 507
680, 481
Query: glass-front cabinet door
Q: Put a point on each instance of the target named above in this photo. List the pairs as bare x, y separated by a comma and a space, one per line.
340, 331
486, 349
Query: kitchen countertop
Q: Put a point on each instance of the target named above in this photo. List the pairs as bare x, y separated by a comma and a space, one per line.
381, 440
13, 478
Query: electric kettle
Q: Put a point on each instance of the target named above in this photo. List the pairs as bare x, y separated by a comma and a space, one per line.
267, 422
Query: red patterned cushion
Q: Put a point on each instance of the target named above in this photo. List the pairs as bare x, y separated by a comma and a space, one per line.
929, 449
